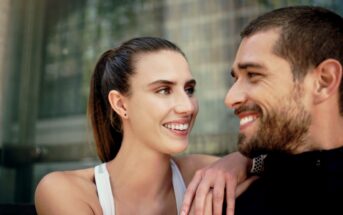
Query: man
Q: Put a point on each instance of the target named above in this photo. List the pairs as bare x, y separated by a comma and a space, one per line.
288, 94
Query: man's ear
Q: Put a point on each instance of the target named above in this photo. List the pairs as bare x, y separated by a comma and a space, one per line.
328, 79
117, 102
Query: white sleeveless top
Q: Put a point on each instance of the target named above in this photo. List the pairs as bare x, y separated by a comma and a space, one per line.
103, 185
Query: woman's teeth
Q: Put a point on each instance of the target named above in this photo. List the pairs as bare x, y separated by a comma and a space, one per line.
180, 127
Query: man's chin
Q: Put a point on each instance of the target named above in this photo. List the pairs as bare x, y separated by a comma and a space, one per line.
244, 146
250, 147
251, 152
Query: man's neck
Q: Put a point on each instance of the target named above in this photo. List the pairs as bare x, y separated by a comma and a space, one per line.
325, 132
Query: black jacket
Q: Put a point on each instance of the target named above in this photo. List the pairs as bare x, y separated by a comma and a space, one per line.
307, 183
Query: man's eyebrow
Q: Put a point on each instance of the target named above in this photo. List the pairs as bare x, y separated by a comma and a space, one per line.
246, 66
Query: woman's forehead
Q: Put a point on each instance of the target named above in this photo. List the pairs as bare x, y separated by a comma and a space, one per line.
160, 62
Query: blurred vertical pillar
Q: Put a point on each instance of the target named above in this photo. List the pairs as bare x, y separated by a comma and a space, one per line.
23, 70
6, 175
4, 8
29, 91
4, 19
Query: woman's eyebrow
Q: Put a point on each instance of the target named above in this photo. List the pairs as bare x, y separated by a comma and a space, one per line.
162, 82
167, 82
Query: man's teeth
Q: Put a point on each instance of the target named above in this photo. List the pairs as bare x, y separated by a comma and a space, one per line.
247, 119
180, 127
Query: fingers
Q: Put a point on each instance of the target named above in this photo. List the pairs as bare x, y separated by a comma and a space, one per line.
208, 208
213, 182
218, 196
191, 211
201, 193
223, 184
230, 197
208, 203
223, 177
190, 192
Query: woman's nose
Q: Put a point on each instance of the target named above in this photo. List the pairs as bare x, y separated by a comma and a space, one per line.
185, 104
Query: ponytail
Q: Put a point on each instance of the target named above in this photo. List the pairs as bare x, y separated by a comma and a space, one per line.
107, 138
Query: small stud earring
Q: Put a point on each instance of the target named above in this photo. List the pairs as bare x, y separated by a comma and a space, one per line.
125, 114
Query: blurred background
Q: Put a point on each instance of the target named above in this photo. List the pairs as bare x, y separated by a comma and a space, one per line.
48, 49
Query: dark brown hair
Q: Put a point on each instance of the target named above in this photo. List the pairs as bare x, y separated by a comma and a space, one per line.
308, 36
112, 72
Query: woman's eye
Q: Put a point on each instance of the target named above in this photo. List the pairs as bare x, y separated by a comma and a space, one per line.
163, 91
190, 90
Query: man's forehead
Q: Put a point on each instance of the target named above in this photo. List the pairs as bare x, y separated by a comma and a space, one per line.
260, 40
256, 50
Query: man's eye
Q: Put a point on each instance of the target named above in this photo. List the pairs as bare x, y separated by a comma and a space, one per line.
252, 74
233, 77
163, 91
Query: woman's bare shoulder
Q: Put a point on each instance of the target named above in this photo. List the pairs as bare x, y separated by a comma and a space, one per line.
67, 192
74, 179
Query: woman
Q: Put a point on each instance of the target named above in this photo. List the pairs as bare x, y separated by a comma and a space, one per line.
142, 108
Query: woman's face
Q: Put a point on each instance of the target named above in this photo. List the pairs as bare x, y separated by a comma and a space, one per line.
162, 106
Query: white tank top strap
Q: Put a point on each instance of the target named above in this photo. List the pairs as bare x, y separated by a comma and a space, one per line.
103, 185
178, 184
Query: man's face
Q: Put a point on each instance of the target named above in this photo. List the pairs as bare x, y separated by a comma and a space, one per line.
270, 104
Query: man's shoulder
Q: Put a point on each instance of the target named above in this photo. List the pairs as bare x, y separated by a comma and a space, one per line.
269, 195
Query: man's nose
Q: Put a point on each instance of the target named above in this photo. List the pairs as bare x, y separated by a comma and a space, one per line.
236, 96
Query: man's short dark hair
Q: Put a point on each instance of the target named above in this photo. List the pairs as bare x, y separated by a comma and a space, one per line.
308, 36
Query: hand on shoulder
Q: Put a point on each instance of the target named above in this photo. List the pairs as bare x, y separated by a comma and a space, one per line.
221, 179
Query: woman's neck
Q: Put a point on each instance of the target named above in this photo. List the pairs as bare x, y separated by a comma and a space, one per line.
140, 173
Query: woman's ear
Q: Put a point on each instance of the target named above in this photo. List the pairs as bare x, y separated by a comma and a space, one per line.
117, 102
328, 79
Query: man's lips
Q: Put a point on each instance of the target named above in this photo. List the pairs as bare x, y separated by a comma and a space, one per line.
248, 114
248, 109
247, 118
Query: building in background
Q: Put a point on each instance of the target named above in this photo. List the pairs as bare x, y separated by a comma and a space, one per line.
47, 52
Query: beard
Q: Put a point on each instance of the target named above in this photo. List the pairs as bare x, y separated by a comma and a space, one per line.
283, 130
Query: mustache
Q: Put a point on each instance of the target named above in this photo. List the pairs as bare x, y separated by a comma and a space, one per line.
252, 107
